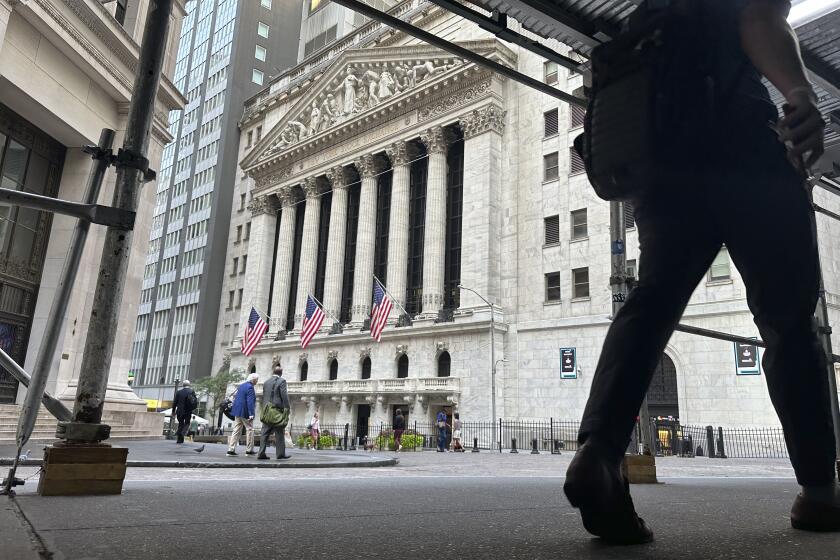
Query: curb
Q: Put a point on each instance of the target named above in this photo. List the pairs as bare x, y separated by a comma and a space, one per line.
273, 464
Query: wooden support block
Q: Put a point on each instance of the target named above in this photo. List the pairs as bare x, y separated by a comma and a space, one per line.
639, 469
79, 470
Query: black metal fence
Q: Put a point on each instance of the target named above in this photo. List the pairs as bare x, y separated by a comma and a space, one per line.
674, 439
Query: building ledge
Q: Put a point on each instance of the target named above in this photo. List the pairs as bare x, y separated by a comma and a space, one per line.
423, 385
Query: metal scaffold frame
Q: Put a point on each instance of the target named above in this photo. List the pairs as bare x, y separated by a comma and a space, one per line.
497, 24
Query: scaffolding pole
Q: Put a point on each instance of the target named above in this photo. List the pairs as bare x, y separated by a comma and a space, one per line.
132, 172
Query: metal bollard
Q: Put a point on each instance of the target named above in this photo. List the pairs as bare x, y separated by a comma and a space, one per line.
475, 445
710, 442
534, 449
721, 451
556, 447
513, 446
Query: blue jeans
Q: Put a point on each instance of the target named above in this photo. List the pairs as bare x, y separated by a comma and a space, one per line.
442, 438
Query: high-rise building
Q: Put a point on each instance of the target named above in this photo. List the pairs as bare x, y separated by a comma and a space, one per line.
228, 50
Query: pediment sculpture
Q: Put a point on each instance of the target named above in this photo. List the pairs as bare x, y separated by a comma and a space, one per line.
358, 90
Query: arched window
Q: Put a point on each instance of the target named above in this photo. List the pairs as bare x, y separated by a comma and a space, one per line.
366, 368
253, 368
663, 398
444, 363
304, 371
333, 370
402, 367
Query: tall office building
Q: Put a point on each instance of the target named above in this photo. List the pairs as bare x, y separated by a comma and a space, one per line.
228, 49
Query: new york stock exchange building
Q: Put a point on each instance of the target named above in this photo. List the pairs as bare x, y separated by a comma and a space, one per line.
382, 157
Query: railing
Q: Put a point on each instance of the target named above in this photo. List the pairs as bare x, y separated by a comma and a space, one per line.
673, 439
396, 385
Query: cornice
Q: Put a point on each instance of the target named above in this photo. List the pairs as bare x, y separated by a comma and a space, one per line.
120, 46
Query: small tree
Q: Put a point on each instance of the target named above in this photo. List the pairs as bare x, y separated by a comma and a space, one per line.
215, 387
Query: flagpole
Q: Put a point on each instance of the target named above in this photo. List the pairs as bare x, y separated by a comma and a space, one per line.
327, 311
381, 285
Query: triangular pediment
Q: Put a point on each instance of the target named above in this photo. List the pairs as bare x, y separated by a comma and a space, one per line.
357, 85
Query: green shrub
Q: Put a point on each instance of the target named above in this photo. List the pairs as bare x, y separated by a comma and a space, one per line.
410, 441
326, 441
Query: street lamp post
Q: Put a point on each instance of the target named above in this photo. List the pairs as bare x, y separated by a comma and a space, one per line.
492, 354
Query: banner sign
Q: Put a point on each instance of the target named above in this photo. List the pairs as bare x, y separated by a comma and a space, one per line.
568, 363
747, 359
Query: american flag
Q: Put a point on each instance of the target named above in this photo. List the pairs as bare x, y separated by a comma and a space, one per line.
312, 321
254, 331
382, 304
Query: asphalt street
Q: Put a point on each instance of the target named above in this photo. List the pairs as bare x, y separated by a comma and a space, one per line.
430, 506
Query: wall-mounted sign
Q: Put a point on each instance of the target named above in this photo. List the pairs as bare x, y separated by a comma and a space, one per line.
568, 363
747, 359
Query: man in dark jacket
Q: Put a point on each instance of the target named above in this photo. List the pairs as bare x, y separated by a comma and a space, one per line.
681, 230
185, 403
244, 406
275, 392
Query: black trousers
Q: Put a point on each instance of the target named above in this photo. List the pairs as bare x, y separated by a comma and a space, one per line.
183, 426
751, 199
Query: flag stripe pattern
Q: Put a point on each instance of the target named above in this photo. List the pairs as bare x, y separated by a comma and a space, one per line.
254, 331
312, 321
382, 304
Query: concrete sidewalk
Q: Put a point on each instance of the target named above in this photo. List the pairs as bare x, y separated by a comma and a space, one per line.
16, 537
168, 454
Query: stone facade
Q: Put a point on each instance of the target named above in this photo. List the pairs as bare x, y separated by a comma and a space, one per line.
68, 69
507, 195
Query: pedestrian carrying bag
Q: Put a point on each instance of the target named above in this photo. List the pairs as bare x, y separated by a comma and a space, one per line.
272, 415
651, 105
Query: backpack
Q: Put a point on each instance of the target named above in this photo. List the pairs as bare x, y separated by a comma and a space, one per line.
227, 408
653, 103
192, 400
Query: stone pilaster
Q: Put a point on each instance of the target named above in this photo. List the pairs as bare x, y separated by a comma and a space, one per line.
260, 253
309, 248
398, 230
283, 265
365, 241
435, 229
481, 249
334, 280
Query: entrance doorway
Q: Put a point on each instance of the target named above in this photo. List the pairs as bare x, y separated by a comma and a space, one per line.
663, 400
362, 418
405, 413
31, 161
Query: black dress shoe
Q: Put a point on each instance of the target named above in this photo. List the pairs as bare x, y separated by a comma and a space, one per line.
262, 457
284, 457
811, 515
595, 485
250, 453
231, 453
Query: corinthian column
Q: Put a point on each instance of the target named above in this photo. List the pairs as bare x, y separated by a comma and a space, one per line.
398, 225
260, 248
283, 265
434, 246
336, 243
365, 241
309, 248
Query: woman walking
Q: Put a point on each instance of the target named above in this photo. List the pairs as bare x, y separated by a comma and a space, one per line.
315, 431
456, 433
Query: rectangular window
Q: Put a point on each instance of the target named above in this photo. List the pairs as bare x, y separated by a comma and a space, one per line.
580, 283
244, 264
247, 231
552, 230
257, 77
576, 116
315, 4
235, 266
550, 72
720, 267
250, 141
260, 53
629, 216
239, 298
550, 167
231, 295
550, 123
259, 133
262, 30
238, 234
579, 224
576, 161
631, 268
242, 201
552, 286
266, 4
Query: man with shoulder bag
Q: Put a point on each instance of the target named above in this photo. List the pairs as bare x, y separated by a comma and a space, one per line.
274, 414
690, 200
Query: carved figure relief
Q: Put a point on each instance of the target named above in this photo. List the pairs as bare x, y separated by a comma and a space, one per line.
358, 91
